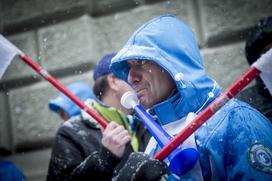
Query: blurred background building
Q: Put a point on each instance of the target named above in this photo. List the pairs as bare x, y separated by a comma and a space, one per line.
67, 37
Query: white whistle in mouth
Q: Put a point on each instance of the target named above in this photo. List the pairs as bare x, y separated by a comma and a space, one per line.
129, 100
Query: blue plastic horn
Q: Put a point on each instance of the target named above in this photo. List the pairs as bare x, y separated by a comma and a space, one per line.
182, 159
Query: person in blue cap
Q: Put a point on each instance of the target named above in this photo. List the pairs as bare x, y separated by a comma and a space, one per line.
82, 151
259, 42
162, 62
64, 106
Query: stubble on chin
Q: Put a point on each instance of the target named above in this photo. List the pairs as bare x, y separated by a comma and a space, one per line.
142, 102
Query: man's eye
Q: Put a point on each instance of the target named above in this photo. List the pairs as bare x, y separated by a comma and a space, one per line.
141, 62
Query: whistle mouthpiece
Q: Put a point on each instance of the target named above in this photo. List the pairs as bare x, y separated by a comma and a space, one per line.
129, 100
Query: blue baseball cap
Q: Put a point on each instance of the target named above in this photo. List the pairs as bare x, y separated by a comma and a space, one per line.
103, 66
81, 90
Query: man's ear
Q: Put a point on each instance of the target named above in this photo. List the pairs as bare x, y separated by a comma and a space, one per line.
112, 82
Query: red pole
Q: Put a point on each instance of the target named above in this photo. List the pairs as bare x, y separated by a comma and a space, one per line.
61, 88
220, 101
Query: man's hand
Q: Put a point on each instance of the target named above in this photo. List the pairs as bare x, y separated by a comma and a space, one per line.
115, 137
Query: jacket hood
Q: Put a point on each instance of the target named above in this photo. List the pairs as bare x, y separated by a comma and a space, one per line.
168, 42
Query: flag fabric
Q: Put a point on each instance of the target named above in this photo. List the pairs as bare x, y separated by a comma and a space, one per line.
7, 53
264, 64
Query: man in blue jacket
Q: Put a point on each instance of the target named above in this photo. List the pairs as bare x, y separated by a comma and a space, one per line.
162, 62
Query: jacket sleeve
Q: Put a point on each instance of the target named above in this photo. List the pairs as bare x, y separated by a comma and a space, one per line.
240, 145
68, 161
140, 166
98, 165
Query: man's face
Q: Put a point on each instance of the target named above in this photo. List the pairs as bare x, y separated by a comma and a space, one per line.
151, 83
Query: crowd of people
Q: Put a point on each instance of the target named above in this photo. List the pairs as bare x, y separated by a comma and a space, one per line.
165, 69
163, 66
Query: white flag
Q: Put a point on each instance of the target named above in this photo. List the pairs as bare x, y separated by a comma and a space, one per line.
264, 64
7, 53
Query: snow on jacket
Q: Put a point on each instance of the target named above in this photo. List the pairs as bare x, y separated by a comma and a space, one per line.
236, 142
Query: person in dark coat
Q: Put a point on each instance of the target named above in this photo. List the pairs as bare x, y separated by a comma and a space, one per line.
82, 152
259, 41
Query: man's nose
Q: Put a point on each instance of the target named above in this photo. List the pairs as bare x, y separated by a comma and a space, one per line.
133, 76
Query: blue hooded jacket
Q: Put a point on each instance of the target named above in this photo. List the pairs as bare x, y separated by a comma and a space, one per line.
228, 140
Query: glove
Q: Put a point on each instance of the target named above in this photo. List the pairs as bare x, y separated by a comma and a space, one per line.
140, 167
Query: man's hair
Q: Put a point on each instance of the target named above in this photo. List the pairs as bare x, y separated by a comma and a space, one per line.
101, 86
